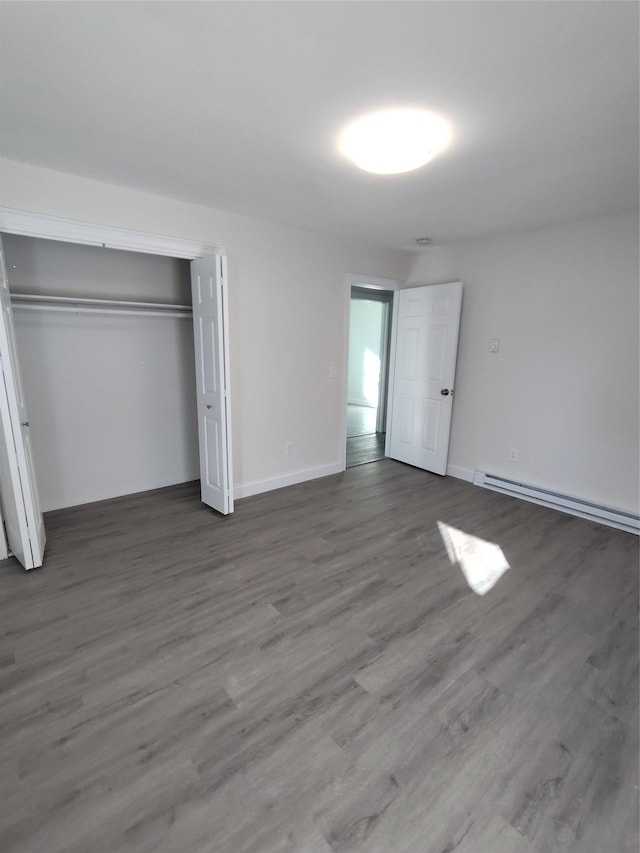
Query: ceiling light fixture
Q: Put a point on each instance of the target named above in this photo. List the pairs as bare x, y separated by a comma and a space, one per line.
393, 141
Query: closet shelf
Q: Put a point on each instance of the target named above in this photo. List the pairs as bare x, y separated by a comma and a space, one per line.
78, 304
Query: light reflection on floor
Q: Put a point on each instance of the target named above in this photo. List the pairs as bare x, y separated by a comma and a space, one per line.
483, 563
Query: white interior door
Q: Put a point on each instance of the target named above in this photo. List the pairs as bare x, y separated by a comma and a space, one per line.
210, 312
428, 319
18, 490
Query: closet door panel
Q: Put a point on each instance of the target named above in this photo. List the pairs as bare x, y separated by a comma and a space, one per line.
18, 488
208, 278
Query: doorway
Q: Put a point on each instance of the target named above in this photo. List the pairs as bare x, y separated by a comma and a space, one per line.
368, 373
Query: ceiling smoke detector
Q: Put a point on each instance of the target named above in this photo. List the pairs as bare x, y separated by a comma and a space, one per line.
423, 241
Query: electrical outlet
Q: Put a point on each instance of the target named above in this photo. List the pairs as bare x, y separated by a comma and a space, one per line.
288, 448
333, 371
513, 454
494, 345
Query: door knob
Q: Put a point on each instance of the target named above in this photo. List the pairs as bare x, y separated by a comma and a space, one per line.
25, 423
445, 392
208, 405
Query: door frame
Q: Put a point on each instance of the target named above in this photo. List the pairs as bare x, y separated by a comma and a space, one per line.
385, 298
367, 282
45, 227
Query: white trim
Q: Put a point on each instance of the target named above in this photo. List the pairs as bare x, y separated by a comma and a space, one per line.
257, 487
375, 283
97, 497
460, 473
392, 373
108, 236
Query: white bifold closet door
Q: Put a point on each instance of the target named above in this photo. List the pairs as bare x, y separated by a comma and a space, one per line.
18, 489
211, 340
428, 318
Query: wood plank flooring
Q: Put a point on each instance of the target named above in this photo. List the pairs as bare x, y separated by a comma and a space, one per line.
365, 448
313, 674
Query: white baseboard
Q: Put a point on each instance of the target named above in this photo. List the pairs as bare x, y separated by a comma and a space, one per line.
125, 491
460, 473
245, 490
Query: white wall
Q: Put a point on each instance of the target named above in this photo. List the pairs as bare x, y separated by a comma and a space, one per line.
365, 334
111, 398
286, 314
563, 388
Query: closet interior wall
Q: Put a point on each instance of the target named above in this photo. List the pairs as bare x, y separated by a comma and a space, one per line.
111, 397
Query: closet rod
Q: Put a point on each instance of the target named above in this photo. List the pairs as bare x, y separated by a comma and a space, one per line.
113, 306
85, 309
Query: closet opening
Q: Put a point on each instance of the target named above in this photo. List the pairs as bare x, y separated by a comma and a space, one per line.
105, 341
105, 345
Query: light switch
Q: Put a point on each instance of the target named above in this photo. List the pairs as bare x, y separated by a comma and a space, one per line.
494, 345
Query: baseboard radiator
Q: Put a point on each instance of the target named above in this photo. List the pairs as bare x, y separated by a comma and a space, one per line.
565, 503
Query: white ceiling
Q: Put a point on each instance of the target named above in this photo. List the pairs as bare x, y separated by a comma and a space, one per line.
237, 105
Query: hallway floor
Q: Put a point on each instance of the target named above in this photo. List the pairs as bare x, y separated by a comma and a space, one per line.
364, 444
361, 420
365, 448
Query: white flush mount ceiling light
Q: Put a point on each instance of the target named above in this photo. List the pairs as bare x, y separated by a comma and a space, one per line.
393, 141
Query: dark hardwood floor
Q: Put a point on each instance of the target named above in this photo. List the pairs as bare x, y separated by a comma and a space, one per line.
314, 674
365, 448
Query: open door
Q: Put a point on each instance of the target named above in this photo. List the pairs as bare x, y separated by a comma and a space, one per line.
428, 319
18, 490
210, 312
